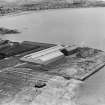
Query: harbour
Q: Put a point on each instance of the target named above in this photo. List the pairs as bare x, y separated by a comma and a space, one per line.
69, 26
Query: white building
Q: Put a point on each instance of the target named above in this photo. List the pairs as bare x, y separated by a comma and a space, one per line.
79, 1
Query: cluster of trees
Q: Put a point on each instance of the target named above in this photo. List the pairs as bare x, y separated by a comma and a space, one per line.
6, 10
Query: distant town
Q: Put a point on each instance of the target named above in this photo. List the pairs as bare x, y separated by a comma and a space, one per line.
18, 6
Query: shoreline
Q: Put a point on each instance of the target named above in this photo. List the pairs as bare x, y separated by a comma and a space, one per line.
44, 10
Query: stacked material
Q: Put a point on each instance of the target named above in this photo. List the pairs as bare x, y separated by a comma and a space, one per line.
45, 56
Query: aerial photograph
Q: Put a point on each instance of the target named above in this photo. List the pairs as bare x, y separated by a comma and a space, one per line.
52, 52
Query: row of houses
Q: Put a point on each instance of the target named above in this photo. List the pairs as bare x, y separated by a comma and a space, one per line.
69, 1
77, 1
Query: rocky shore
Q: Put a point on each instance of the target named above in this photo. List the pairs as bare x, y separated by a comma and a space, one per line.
5, 31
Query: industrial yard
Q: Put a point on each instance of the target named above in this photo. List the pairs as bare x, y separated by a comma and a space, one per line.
26, 81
